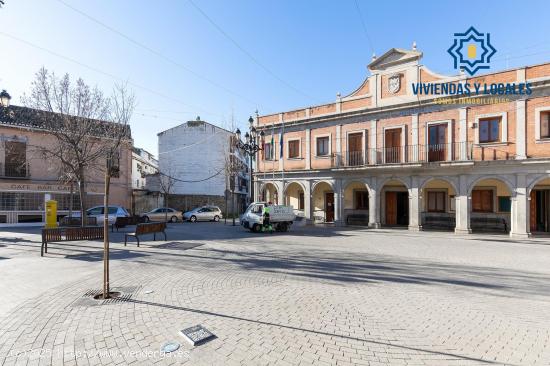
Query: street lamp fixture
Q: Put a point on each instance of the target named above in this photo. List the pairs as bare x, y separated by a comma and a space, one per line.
249, 147
5, 99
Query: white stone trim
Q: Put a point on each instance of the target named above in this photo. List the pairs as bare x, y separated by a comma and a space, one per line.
449, 123
538, 112
503, 127
521, 128
329, 135
299, 139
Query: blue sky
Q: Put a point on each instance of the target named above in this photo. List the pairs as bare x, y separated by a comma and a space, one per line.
311, 49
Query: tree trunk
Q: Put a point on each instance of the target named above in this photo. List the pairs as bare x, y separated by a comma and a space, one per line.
233, 205
71, 202
106, 286
82, 194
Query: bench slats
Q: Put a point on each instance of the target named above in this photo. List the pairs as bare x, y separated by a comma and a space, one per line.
69, 234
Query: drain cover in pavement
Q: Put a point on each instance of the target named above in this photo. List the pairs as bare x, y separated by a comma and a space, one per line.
170, 347
197, 335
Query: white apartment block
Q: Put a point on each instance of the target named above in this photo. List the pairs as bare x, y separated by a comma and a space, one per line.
195, 153
143, 164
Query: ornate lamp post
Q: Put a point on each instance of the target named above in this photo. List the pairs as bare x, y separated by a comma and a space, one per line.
5, 99
250, 147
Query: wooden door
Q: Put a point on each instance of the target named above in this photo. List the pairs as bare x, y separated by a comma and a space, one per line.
329, 207
533, 211
437, 147
393, 145
355, 149
391, 208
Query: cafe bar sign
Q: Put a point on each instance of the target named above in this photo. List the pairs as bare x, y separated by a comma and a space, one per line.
37, 187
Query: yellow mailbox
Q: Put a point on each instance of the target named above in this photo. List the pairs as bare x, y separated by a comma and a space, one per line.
51, 214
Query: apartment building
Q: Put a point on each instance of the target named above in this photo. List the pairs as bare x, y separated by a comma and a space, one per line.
27, 178
143, 164
198, 154
389, 154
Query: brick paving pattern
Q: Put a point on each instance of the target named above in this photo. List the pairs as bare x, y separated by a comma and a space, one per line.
315, 296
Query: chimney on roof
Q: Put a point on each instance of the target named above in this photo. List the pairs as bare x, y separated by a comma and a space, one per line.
198, 118
414, 46
373, 56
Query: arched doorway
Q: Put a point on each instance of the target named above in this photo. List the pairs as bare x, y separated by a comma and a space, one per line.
323, 203
491, 206
269, 193
438, 205
395, 203
295, 196
539, 207
356, 204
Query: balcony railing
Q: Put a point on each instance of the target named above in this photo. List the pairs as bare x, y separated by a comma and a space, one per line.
15, 170
409, 154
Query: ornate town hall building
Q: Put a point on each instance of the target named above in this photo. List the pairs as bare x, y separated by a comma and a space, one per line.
387, 155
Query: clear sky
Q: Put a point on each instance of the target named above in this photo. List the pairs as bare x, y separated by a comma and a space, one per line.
274, 56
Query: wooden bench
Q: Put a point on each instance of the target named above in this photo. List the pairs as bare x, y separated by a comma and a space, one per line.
125, 221
357, 219
438, 221
69, 234
489, 223
148, 228
75, 221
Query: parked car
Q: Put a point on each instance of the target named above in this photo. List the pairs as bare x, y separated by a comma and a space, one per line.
204, 213
97, 212
162, 214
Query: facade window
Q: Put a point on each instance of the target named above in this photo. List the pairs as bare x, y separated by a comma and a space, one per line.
482, 200
489, 130
268, 151
15, 159
294, 149
436, 201
361, 200
322, 146
301, 201
545, 125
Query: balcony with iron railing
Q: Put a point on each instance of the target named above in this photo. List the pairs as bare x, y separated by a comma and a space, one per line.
15, 170
415, 154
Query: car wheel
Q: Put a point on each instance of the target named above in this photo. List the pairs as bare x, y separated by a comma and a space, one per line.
146, 219
193, 218
216, 218
256, 228
173, 219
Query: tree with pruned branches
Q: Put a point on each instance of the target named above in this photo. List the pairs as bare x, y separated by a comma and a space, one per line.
89, 131
88, 127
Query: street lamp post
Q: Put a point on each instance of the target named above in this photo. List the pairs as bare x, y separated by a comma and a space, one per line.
250, 147
5, 99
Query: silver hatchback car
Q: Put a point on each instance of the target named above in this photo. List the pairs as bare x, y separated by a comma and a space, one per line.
204, 213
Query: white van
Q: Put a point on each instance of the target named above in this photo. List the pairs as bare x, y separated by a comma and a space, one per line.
280, 216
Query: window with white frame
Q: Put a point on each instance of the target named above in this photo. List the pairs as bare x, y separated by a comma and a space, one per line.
492, 128
323, 146
293, 149
489, 130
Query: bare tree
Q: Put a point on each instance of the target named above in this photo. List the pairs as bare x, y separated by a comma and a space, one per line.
89, 131
85, 124
117, 134
1, 3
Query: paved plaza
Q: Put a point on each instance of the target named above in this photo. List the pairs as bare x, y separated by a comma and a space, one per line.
313, 296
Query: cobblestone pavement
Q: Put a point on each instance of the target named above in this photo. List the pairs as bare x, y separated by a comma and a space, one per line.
312, 296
